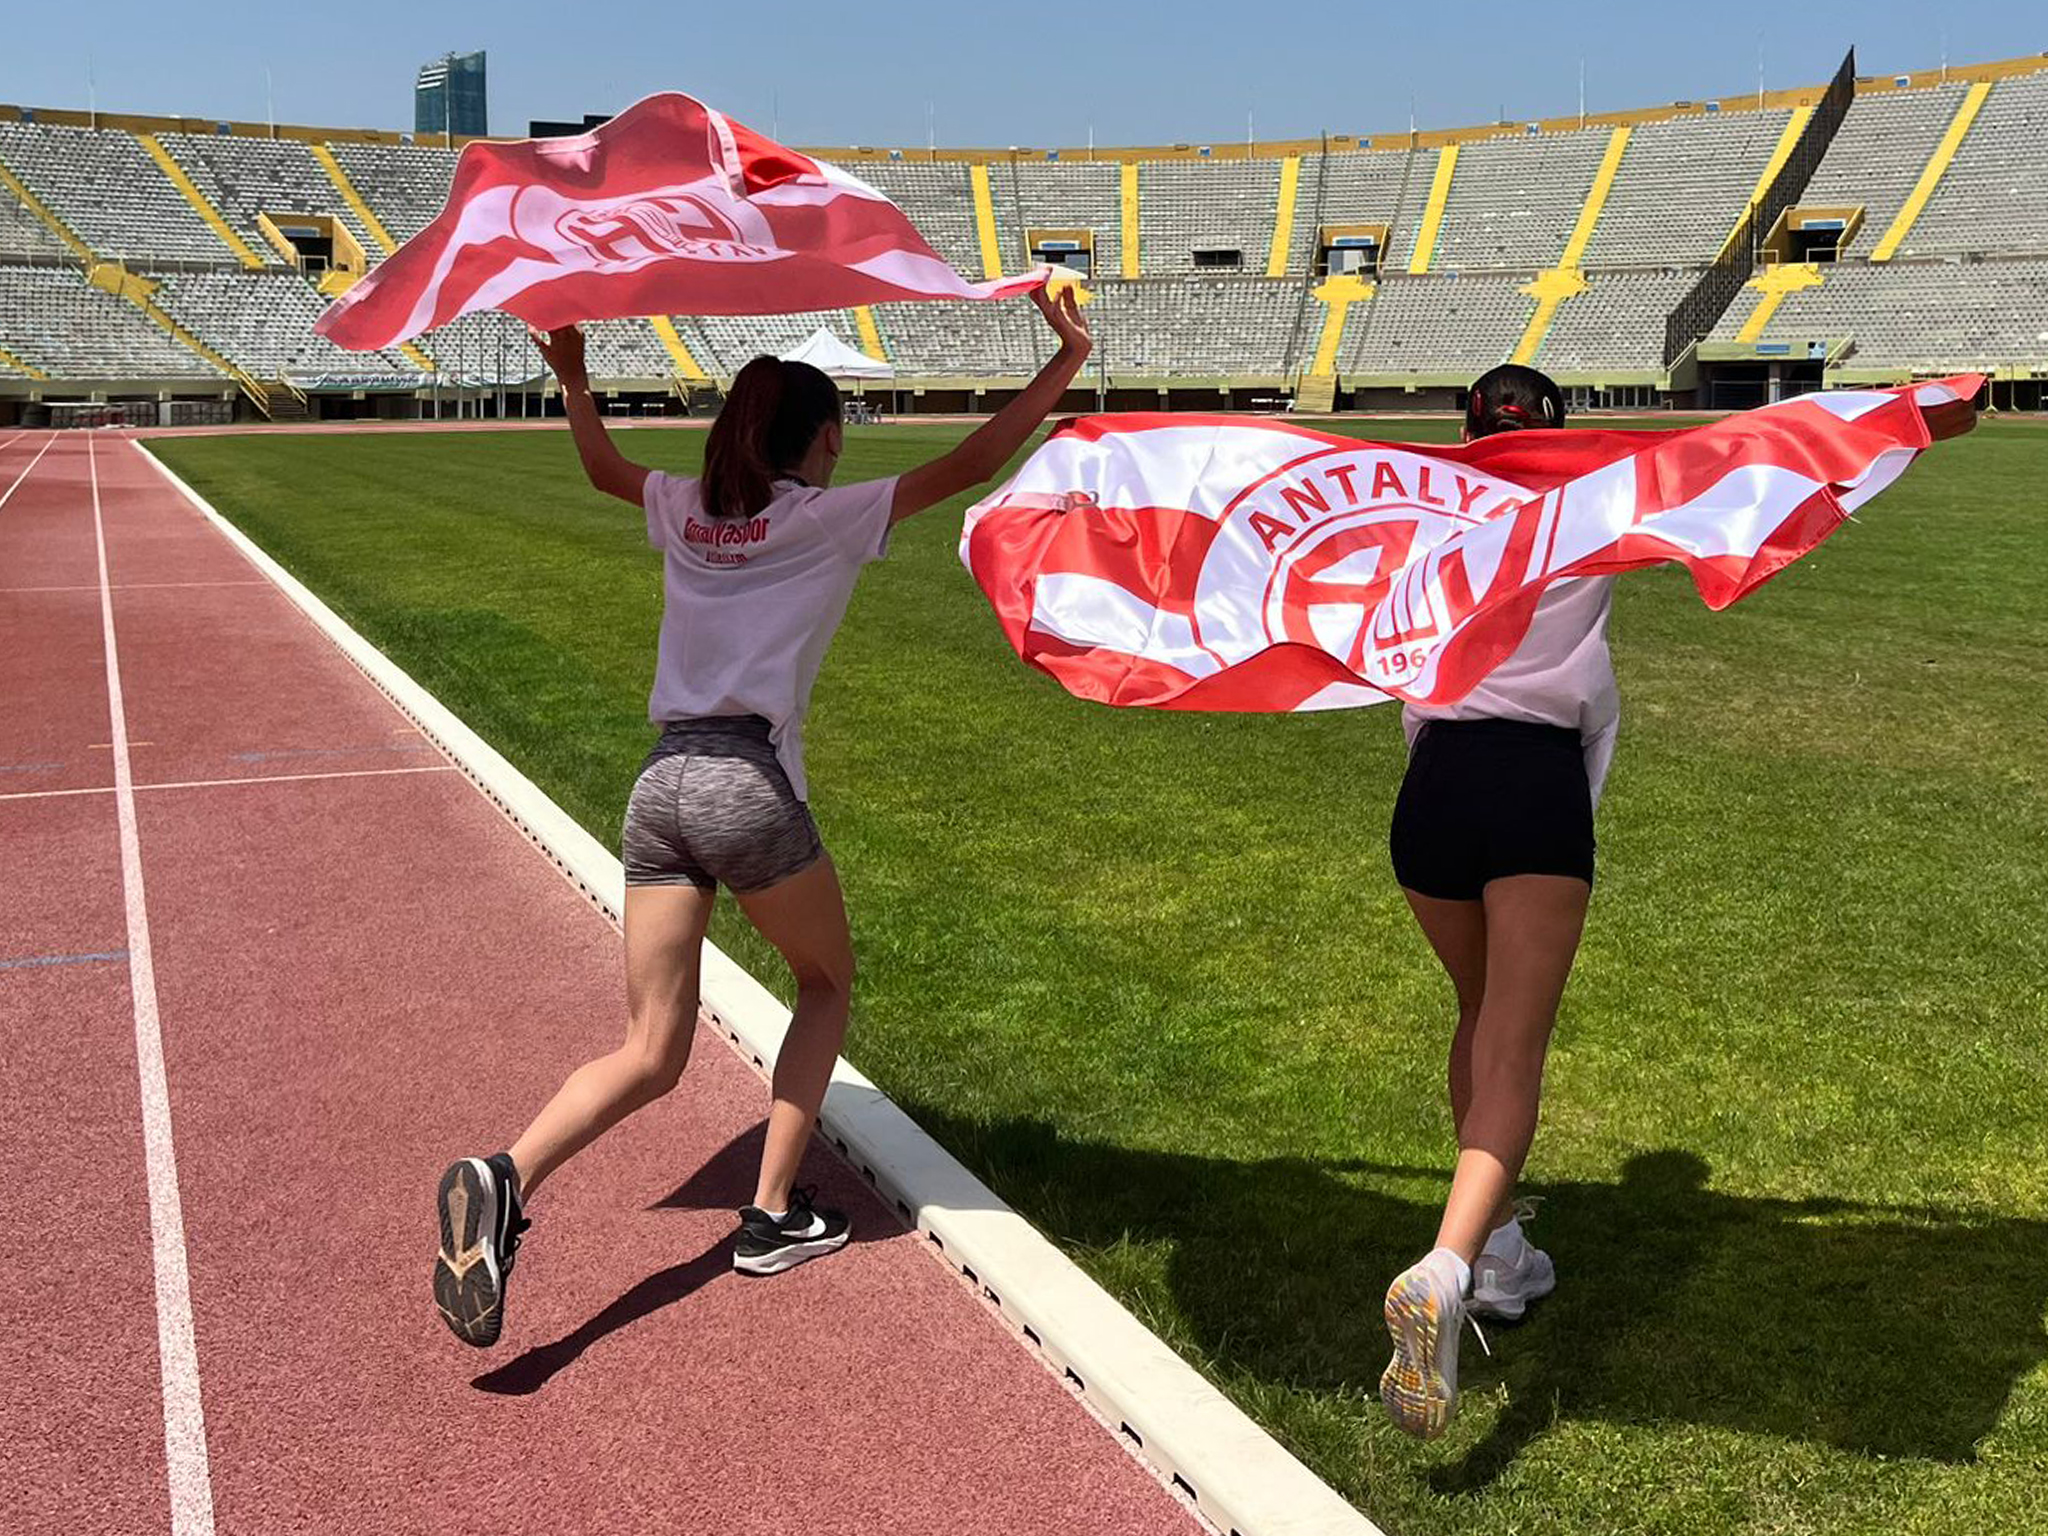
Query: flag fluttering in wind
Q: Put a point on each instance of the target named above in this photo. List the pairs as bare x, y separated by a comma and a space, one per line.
1190, 562
668, 209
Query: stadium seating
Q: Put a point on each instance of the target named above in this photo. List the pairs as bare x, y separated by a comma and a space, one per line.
108, 192
1514, 200
1359, 187
1185, 206
1915, 316
264, 322
1878, 154
961, 340
246, 177
726, 343
1616, 325
1965, 281
1197, 326
404, 184
1439, 325
1683, 184
23, 236
60, 323
1074, 194
940, 202
1994, 195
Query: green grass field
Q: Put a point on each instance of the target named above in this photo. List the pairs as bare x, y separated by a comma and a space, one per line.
1150, 976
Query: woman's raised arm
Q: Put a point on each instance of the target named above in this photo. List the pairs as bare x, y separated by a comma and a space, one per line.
984, 451
609, 470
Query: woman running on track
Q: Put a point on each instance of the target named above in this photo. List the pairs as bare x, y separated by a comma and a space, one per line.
1492, 842
759, 560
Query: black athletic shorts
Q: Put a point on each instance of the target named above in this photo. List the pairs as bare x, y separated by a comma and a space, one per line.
1488, 798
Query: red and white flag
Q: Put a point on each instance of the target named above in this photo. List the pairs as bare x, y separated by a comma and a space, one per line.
668, 209
1188, 562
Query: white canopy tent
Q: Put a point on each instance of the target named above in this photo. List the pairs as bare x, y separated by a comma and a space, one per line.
830, 355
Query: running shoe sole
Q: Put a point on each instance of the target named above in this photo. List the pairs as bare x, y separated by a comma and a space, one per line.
789, 1255
1418, 1395
467, 1285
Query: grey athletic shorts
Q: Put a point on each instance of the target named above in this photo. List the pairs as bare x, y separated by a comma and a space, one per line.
713, 807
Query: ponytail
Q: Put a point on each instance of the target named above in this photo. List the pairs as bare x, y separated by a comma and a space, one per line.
771, 416
1510, 398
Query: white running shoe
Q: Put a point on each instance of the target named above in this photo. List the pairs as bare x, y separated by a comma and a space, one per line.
1503, 1290
1425, 1312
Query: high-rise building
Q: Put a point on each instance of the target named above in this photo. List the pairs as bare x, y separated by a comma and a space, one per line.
448, 97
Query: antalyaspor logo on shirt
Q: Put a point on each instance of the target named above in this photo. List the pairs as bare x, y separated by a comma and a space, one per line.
723, 542
1219, 563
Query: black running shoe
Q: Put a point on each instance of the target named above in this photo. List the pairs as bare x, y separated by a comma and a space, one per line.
767, 1247
480, 1229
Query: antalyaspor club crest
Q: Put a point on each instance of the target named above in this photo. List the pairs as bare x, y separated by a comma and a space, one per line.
1324, 542
623, 234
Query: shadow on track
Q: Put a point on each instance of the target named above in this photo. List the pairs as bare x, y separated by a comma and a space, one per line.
1894, 1332
534, 1369
724, 1182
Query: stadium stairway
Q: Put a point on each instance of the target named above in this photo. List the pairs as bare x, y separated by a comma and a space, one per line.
1283, 216
688, 369
20, 365
870, 333
1433, 210
175, 174
1931, 173
1775, 284
1337, 295
353, 198
1564, 281
140, 291
41, 210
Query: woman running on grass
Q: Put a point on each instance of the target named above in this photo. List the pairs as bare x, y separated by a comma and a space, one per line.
759, 560
1492, 842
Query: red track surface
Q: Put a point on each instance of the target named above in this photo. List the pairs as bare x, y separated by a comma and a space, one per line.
362, 970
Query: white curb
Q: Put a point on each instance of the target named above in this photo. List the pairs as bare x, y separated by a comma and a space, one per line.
1238, 1475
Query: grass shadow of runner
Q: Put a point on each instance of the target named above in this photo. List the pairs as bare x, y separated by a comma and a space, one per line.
1888, 1332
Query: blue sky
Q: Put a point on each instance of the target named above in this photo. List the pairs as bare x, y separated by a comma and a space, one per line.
1020, 73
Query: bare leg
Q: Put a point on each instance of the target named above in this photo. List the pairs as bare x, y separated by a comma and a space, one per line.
1533, 924
1456, 930
805, 918
664, 942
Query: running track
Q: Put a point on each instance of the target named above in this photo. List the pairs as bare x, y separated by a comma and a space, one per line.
266, 963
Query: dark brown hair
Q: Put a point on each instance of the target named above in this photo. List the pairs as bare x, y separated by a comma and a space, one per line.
770, 417
1510, 398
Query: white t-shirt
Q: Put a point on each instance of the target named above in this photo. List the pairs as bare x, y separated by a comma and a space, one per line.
1561, 674
749, 606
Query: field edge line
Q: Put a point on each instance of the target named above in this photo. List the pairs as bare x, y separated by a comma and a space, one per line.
1193, 1437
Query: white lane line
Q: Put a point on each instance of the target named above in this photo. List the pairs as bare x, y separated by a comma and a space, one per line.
8, 495
184, 1423
257, 778
136, 586
300, 778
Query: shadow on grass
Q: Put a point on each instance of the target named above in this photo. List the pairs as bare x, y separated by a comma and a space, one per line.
1888, 1332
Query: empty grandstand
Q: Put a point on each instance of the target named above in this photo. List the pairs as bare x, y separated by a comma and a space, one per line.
1713, 252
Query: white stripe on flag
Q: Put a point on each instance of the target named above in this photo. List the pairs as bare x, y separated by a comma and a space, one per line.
1737, 514
1086, 610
